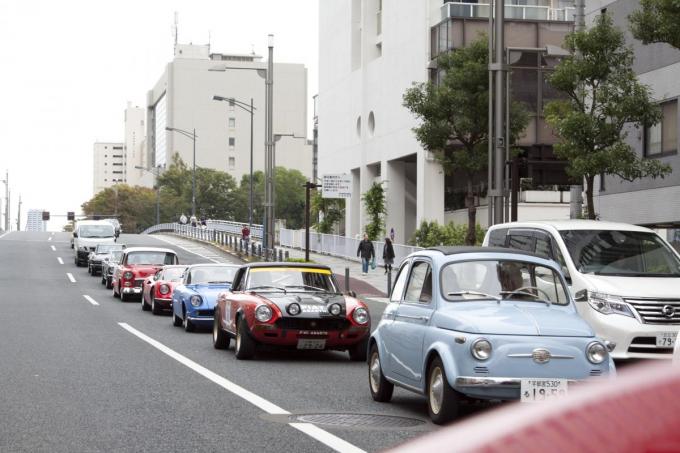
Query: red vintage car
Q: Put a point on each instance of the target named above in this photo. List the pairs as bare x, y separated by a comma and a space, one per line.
136, 264
286, 305
157, 288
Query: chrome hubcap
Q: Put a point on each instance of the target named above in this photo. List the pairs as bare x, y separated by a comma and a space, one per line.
238, 341
436, 390
374, 373
215, 333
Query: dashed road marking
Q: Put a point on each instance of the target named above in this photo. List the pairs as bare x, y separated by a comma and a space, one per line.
312, 431
54, 249
60, 260
49, 238
70, 277
91, 300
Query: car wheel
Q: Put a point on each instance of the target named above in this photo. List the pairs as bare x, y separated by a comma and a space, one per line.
245, 345
187, 324
220, 338
115, 294
103, 281
442, 400
358, 352
145, 306
154, 308
124, 297
176, 320
109, 283
381, 388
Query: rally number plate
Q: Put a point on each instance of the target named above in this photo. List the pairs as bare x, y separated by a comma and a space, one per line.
311, 344
536, 390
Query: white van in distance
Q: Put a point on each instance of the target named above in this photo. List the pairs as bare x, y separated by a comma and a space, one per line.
625, 278
87, 235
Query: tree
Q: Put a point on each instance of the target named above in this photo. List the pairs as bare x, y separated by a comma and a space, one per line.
329, 210
374, 203
454, 116
290, 197
135, 207
603, 96
657, 21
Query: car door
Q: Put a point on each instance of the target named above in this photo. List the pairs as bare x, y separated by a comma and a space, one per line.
412, 320
387, 334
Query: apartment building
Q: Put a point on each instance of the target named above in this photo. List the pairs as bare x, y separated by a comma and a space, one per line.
134, 147
34, 221
109, 165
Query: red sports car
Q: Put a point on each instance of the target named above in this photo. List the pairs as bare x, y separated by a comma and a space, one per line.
296, 306
136, 264
157, 289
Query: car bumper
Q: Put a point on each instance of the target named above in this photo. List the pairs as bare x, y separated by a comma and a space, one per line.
502, 388
201, 320
163, 304
137, 291
83, 255
334, 339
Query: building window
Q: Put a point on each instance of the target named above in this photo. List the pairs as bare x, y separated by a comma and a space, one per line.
231, 105
661, 139
232, 123
232, 142
232, 163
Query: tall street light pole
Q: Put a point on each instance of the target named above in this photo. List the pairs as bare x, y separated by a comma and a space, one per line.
191, 135
6, 181
269, 161
251, 110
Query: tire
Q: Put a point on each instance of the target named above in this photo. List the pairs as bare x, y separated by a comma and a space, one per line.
145, 306
358, 352
245, 345
103, 279
220, 338
109, 283
124, 297
381, 388
443, 402
115, 294
176, 320
187, 324
154, 308
89, 269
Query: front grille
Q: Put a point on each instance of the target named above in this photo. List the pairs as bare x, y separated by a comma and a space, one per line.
481, 370
596, 372
312, 324
139, 282
205, 312
651, 311
647, 345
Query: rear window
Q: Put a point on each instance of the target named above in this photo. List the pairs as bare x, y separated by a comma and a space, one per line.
497, 237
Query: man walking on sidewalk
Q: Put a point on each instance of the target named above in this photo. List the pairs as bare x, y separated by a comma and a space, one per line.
366, 252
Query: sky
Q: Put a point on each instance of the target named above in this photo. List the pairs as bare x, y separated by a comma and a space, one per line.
69, 67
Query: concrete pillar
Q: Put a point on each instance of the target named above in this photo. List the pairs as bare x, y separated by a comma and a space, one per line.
430, 189
394, 174
353, 207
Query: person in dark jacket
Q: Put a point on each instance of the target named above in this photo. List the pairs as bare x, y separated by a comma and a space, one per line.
366, 252
388, 255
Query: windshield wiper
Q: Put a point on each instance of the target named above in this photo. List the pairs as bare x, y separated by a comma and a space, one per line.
474, 293
219, 283
313, 288
278, 288
525, 293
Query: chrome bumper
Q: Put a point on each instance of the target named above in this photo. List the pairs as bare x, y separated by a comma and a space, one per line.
498, 382
133, 290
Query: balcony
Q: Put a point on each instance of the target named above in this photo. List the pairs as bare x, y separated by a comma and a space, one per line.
513, 12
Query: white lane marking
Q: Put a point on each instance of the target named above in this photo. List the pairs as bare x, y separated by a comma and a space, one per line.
70, 277
313, 431
194, 252
60, 260
54, 249
5, 234
49, 238
91, 300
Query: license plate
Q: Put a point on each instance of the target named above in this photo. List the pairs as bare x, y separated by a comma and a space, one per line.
536, 390
666, 339
311, 344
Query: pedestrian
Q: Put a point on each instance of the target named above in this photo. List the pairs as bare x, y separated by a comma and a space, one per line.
388, 255
366, 252
392, 234
245, 234
193, 221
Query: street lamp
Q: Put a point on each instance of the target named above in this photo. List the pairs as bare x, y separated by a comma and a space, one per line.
192, 135
250, 109
156, 174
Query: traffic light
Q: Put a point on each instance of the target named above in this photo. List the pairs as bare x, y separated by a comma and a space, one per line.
70, 216
46, 215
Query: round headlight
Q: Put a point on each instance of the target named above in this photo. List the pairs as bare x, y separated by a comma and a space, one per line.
164, 289
335, 309
196, 301
596, 352
263, 313
128, 275
481, 349
294, 309
360, 315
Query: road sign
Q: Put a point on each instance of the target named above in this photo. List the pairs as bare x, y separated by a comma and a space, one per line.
46, 215
337, 186
70, 215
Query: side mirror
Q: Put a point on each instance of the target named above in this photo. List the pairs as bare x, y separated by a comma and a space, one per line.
581, 296
351, 293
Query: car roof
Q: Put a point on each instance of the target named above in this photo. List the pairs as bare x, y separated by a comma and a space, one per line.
285, 264
576, 224
92, 222
192, 266
175, 266
149, 249
471, 249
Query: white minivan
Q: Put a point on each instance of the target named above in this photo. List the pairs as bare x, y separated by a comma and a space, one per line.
87, 235
625, 278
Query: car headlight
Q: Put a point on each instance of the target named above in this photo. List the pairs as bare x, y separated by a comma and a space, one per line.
608, 304
263, 313
360, 315
164, 289
335, 309
596, 352
196, 301
83, 248
128, 275
293, 309
481, 349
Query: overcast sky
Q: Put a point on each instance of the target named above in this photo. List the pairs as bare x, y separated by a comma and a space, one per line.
69, 67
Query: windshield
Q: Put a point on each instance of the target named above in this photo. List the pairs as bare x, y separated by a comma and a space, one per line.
291, 279
502, 279
621, 253
101, 248
174, 274
96, 231
210, 274
151, 258
116, 255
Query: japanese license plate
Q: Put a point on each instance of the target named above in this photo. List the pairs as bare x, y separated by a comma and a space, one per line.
666, 339
534, 390
311, 344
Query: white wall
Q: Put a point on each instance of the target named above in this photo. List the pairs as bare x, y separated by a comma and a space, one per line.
135, 131
104, 164
526, 212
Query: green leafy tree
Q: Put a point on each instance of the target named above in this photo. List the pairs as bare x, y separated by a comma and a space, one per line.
454, 117
135, 207
375, 206
329, 210
290, 197
431, 234
242, 198
657, 21
603, 96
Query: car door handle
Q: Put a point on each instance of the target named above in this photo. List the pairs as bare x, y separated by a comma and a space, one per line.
417, 318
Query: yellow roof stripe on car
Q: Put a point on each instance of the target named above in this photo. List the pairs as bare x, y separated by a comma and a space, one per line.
291, 269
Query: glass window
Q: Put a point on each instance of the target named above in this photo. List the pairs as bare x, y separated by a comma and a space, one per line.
232, 163
662, 137
543, 248
521, 242
296, 279
399, 283
232, 141
419, 288
232, 122
96, 231
211, 274
497, 237
174, 274
152, 258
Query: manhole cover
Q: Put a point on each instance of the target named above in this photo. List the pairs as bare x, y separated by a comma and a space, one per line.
356, 421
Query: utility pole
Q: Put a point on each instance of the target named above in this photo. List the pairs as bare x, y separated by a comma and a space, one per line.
19, 215
576, 190
6, 181
193, 179
269, 154
499, 139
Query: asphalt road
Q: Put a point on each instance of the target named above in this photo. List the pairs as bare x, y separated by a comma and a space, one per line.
75, 376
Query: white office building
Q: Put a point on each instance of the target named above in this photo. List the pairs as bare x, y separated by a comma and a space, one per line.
109, 165
135, 153
183, 99
34, 221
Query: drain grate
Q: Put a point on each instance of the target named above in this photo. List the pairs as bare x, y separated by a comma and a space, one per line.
355, 421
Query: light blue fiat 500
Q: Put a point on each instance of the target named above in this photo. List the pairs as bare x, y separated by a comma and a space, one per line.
481, 324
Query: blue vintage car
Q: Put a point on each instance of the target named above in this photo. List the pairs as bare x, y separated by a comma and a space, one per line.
472, 323
193, 300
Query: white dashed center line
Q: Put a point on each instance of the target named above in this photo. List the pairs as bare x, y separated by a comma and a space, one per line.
49, 238
70, 277
60, 260
91, 300
54, 249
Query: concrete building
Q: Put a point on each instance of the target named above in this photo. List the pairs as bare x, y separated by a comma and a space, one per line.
34, 221
371, 52
183, 99
109, 165
649, 202
135, 153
